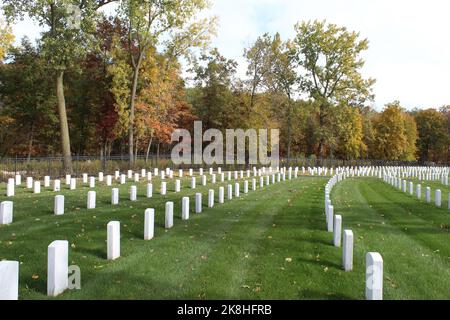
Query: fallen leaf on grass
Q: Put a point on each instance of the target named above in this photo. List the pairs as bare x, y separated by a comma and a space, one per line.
35, 276
288, 259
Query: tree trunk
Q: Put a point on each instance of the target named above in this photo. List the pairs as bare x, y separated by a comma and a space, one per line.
148, 148
63, 124
132, 107
30, 142
289, 128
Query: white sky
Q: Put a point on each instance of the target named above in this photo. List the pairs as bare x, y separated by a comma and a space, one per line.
409, 52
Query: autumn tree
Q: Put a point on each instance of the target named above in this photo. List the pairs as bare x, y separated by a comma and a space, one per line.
68, 25
172, 26
350, 144
331, 58
395, 134
6, 39
433, 137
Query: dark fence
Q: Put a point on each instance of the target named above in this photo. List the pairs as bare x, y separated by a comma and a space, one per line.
53, 166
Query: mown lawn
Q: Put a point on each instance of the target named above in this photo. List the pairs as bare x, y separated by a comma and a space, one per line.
269, 244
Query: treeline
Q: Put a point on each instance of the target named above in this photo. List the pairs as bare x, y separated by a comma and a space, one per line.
115, 85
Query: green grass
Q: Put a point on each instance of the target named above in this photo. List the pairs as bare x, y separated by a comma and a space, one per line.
236, 250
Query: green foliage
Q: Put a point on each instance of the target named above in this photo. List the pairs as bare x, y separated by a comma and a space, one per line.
433, 136
32, 109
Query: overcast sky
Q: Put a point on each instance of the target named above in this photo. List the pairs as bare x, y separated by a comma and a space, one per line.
409, 52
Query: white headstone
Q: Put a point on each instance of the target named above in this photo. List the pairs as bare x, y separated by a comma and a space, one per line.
123, 179
115, 196
37, 187
337, 230
149, 190
198, 203
113, 239
136, 177
73, 184
133, 193
169, 215
185, 208
58, 209
6, 212
91, 182
428, 194
46, 181
163, 187
204, 180
91, 200
10, 188
221, 195
130, 174
211, 198
177, 185
237, 188
419, 191
374, 276
437, 198
347, 255
193, 183
68, 177
9, 280
57, 267
149, 224
330, 218
253, 184
85, 178
18, 179
57, 185
245, 186
29, 182
108, 180
230, 192
100, 176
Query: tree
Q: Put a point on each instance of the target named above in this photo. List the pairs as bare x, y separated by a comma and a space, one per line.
395, 134
258, 56
65, 40
6, 39
213, 99
26, 92
411, 138
350, 143
330, 57
433, 137
167, 24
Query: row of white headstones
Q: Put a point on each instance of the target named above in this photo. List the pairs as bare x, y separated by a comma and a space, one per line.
421, 173
374, 261
408, 187
57, 264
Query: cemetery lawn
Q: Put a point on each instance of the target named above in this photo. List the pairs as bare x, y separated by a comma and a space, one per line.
269, 244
